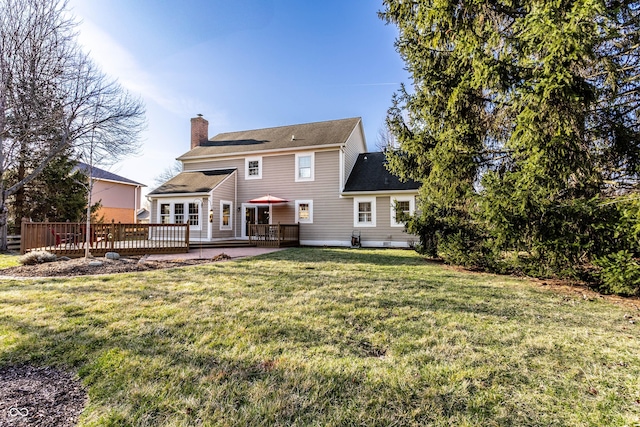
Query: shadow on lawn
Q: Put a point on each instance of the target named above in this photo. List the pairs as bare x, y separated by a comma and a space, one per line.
348, 256
119, 352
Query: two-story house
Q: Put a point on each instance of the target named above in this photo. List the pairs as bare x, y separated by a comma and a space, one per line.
318, 175
120, 198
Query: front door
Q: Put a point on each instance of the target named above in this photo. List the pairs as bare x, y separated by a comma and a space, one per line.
255, 215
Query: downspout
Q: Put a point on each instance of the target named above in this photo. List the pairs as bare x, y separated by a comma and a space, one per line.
135, 205
341, 184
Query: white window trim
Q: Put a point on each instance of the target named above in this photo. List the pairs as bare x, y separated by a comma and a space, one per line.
160, 215
313, 168
230, 226
187, 214
356, 202
304, 221
172, 215
412, 208
246, 167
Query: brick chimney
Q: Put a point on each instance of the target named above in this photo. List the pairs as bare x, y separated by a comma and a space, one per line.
199, 131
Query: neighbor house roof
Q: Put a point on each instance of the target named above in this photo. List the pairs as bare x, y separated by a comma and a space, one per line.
370, 174
98, 173
333, 132
193, 182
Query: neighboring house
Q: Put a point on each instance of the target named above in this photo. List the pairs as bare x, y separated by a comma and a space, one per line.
143, 216
317, 174
119, 197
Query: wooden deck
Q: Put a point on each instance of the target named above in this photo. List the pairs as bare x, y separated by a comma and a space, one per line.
274, 235
70, 239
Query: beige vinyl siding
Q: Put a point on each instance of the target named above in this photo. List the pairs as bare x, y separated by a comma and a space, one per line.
354, 146
153, 211
201, 232
278, 179
332, 215
225, 191
383, 234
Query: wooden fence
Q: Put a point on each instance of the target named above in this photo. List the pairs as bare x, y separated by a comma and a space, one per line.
70, 239
274, 235
13, 242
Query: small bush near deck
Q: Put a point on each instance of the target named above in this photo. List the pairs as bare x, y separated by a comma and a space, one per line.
37, 257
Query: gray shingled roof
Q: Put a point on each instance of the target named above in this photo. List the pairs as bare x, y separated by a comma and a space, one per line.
306, 135
369, 174
103, 174
193, 182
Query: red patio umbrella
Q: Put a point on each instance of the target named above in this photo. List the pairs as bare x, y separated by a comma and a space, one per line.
267, 200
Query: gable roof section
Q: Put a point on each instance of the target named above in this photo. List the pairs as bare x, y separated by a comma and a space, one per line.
369, 174
193, 182
102, 174
333, 132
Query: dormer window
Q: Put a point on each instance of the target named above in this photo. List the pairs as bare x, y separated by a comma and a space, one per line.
253, 168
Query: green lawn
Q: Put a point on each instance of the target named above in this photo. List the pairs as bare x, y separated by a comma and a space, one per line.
9, 260
328, 337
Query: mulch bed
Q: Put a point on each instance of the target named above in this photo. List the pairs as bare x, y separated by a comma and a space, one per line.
40, 396
82, 267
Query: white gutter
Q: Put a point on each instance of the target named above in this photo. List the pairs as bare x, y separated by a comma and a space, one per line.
242, 155
350, 194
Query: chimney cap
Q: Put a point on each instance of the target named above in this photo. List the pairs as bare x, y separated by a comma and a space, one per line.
199, 115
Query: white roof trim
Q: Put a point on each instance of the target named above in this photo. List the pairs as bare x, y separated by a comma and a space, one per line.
243, 154
377, 193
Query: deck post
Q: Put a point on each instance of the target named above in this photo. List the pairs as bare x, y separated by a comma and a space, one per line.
23, 238
186, 233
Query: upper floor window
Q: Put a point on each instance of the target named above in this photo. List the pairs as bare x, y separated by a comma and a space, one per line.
253, 168
305, 167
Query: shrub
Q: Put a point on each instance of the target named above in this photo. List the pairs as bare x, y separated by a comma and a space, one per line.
619, 274
37, 257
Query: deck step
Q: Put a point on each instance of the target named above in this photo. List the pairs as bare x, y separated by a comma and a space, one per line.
222, 244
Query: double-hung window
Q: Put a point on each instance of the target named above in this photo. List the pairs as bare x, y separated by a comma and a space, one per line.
253, 168
194, 214
165, 213
304, 211
401, 207
305, 167
364, 212
178, 213
226, 209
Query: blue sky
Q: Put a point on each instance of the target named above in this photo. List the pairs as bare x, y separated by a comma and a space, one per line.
243, 64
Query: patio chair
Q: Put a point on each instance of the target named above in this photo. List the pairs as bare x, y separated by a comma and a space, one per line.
63, 238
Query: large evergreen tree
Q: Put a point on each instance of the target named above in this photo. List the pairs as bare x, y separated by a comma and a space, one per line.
58, 194
521, 122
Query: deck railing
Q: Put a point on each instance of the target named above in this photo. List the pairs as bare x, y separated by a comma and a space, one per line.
70, 239
274, 235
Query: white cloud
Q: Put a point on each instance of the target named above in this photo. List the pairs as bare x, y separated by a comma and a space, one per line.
117, 62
